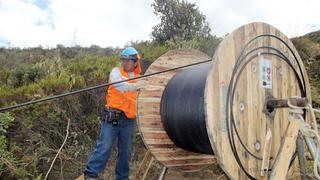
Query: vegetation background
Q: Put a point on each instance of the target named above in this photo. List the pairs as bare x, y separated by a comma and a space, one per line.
30, 136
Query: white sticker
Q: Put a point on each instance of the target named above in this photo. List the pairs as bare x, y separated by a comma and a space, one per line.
266, 73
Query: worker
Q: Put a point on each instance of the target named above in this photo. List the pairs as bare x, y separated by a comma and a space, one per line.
118, 120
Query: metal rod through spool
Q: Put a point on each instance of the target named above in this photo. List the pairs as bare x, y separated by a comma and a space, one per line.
282, 103
182, 110
271, 104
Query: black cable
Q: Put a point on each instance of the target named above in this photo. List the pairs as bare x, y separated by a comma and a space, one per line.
182, 109
95, 87
238, 63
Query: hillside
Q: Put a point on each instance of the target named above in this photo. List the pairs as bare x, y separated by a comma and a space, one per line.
308, 47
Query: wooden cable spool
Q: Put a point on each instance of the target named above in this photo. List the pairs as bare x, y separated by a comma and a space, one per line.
262, 74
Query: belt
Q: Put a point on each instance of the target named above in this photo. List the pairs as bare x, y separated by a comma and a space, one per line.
112, 115
110, 109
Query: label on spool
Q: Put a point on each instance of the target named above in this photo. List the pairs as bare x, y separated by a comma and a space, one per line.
266, 73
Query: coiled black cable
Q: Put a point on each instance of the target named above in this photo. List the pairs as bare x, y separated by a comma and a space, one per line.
182, 110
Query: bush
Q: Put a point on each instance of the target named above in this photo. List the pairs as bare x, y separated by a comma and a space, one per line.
7, 160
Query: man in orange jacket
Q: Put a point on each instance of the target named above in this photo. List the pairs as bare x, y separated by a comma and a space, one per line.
119, 118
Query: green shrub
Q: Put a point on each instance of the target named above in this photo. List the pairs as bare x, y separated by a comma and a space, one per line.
7, 164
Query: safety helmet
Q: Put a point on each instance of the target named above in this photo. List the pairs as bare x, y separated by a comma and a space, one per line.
129, 53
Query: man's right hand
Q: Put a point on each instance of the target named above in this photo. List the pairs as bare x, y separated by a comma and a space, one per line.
137, 86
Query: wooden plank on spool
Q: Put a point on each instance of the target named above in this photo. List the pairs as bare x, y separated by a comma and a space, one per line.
288, 148
161, 146
145, 163
147, 170
148, 110
188, 168
266, 154
182, 156
186, 162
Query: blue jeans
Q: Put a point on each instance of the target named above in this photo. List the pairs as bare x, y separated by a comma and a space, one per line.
124, 132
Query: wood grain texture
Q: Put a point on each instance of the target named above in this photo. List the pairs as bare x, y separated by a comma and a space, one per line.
266, 154
250, 120
288, 148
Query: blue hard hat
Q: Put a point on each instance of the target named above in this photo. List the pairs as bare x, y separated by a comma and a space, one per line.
129, 53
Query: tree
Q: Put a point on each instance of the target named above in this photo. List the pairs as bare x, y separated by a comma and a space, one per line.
180, 20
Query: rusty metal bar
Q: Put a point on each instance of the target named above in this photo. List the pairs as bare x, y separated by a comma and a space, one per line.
283, 103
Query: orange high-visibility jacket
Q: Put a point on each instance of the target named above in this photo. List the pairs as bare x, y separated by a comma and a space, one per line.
125, 101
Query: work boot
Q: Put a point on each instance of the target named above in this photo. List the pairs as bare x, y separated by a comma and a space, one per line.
90, 177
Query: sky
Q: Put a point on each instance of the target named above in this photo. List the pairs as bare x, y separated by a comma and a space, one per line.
115, 23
